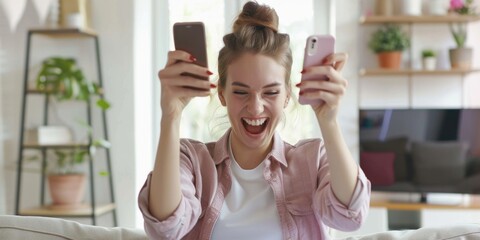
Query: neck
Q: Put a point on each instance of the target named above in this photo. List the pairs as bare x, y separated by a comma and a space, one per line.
248, 158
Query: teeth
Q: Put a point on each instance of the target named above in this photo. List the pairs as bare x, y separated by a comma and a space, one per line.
255, 122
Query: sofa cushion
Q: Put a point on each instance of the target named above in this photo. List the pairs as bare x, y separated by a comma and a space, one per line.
43, 228
462, 231
378, 167
439, 163
399, 147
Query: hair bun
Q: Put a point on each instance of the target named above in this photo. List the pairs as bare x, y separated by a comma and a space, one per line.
258, 16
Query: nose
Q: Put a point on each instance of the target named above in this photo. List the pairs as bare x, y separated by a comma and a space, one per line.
255, 105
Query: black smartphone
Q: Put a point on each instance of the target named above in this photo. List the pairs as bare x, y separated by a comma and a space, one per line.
190, 37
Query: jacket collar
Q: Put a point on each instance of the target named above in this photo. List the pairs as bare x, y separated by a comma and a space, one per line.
220, 153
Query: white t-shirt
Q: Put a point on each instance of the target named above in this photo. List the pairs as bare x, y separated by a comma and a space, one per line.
249, 210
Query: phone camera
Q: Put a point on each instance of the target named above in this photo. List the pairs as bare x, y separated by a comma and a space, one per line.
314, 40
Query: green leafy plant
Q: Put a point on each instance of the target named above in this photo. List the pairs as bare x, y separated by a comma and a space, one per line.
67, 160
428, 53
63, 78
389, 38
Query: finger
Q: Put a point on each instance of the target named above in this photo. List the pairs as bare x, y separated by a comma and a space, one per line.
328, 71
337, 60
187, 81
178, 55
323, 85
191, 92
329, 98
177, 69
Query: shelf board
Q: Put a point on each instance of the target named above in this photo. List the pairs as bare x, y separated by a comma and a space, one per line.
83, 211
419, 206
64, 32
380, 71
41, 146
37, 91
419, 19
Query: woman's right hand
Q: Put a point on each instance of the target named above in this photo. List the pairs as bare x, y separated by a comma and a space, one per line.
177, 89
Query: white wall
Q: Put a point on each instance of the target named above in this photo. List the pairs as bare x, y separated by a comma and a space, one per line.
114, 24
346, 41
2, 171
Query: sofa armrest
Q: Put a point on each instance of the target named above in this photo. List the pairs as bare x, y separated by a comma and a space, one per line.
22, 227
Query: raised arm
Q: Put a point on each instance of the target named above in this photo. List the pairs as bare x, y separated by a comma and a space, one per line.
343, 169
177, 90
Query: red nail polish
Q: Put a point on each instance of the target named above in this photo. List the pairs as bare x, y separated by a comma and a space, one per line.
209, 73
301, 92
298, 84
192, 58
303, 71
212, 85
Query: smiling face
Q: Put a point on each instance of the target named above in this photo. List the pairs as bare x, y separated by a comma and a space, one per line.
255, 96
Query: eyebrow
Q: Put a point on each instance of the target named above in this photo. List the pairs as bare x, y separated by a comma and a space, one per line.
246, 86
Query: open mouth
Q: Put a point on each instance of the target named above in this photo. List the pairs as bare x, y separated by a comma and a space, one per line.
255, 126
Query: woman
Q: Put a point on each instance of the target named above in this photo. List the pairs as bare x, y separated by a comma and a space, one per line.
250, 184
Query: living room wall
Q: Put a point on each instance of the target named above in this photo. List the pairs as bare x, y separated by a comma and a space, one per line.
114, 24
2, 171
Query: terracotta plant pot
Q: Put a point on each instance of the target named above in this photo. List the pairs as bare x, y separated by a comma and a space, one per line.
461, 58
390, 60
66, 190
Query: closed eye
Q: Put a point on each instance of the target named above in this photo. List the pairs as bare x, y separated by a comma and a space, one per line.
272, 93
240, 92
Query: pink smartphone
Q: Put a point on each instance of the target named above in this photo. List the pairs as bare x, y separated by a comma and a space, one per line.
317, 48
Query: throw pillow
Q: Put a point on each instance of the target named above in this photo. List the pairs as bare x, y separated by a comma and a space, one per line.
399, 147
378, 167
439, 163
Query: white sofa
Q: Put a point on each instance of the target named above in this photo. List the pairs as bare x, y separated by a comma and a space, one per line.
40, 228
44, 228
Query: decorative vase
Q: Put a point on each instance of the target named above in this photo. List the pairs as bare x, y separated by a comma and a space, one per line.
461, 58
383, 7
412, 7
66, 190
429, 63
438, 7
390, 60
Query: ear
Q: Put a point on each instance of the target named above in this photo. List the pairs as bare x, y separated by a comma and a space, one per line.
221, 97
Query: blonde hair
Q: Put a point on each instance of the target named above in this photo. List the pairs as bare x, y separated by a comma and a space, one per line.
255, 31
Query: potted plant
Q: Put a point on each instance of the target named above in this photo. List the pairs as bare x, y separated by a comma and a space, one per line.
388, 43
62, 78
461, 56
429, 59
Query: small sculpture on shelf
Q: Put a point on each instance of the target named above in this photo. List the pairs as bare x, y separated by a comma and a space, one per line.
388, 43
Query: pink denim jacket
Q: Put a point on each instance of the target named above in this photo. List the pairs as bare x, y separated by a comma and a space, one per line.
300, 179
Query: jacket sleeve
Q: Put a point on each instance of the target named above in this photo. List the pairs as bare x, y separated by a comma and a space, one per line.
184, 217
332, 212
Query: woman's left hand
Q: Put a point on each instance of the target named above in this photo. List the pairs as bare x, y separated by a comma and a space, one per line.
329, 91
